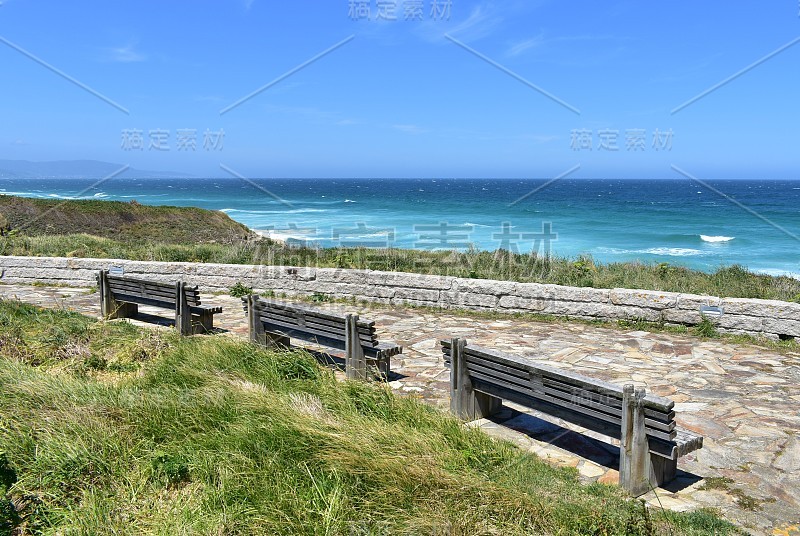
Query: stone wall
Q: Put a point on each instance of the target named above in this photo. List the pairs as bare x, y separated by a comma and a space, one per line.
774, 319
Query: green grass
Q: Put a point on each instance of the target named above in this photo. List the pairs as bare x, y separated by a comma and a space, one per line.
127, 222
207, 435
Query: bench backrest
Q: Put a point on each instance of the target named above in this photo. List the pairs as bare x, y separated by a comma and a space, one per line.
585, 401
140, 289
307, 323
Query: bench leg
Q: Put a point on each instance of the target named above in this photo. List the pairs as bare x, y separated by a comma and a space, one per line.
662, 470
274, 340
126, 310
202, 323
355, 363
383, 367
634, 450
465, 402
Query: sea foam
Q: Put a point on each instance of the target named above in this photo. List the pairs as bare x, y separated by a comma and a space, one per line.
706, 238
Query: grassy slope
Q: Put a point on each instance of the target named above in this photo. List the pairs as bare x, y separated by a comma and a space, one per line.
185, 234
126, 222
108, 428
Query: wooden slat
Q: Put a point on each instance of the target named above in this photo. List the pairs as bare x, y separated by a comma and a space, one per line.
122, 280
213, 309
129, 298
143, 290
191, 292
687, 442
380, 351
132, 283
313, 330
308, 311
322, 323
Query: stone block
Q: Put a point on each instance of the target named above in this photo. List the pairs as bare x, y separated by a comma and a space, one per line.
468, 299
782, 326
763, 308
484, 286
643, 298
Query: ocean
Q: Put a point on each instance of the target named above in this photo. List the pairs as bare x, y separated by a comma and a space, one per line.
681, 222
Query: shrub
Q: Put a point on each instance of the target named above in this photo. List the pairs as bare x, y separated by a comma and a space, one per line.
239, 290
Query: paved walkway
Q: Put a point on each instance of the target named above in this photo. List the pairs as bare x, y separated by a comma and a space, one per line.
744, 400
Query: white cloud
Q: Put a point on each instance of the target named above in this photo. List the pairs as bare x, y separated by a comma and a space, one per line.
482, 21
126, 54
522, 46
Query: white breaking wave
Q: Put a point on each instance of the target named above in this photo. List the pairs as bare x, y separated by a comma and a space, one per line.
706, 238
349, 201
292, 211
672, 252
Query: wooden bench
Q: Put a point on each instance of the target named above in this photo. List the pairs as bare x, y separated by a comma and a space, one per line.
651, 443
275, 323
120, 297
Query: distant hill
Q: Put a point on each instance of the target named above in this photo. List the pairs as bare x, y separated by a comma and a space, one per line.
120, 221
77, 169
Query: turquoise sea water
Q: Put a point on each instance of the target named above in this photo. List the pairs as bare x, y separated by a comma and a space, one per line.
704, 226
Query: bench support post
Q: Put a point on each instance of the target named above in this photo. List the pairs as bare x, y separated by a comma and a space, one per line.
355, 364
634, 451
183, 315
465, 402
255, 328
109, 307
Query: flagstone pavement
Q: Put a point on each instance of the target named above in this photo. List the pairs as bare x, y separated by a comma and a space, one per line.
743, 399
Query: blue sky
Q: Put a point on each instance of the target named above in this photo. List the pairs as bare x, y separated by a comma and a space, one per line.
400, 99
